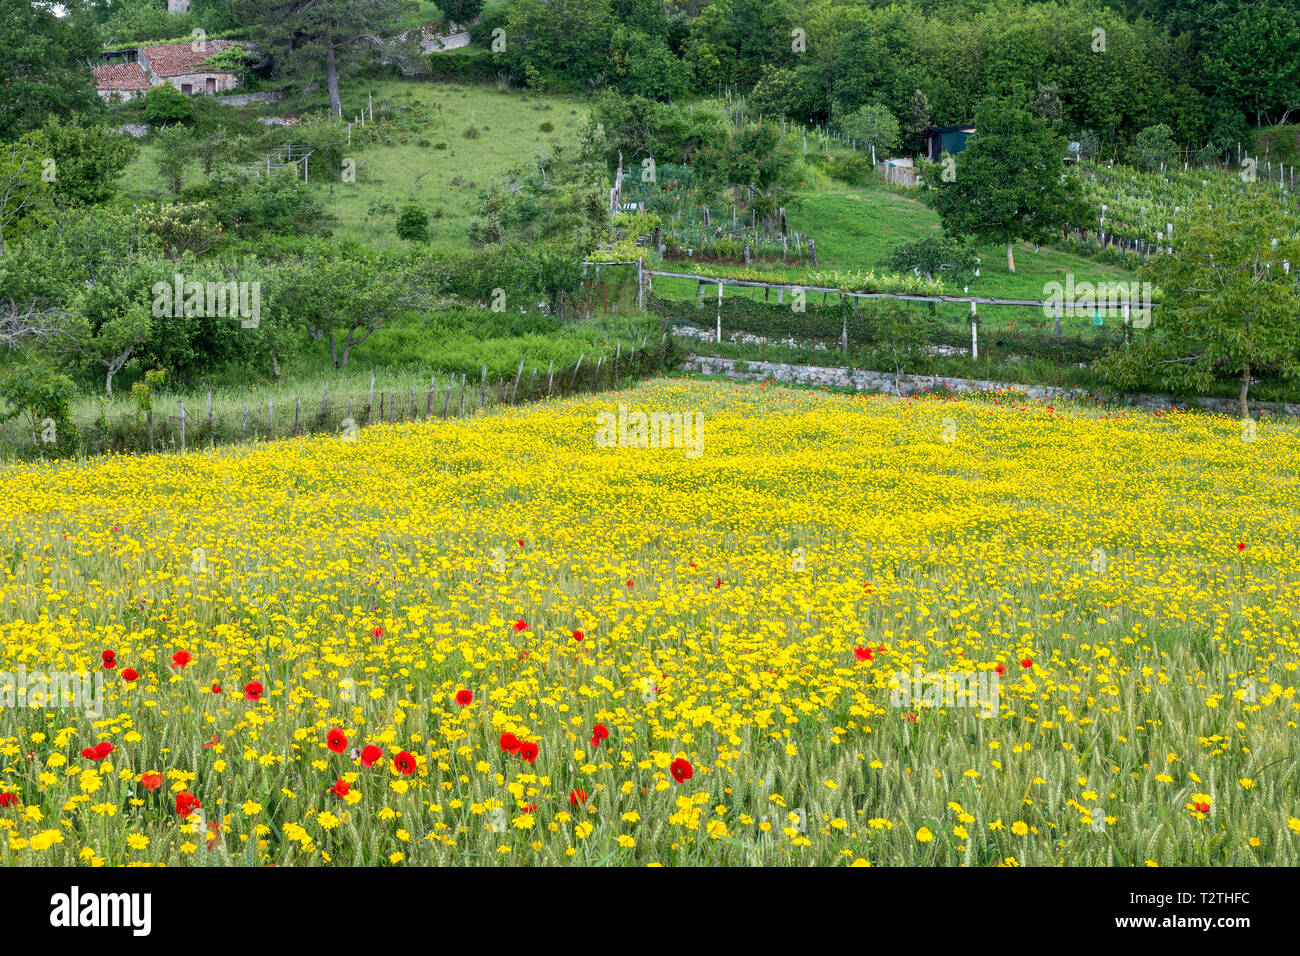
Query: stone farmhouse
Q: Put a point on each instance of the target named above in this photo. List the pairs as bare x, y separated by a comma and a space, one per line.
180, 64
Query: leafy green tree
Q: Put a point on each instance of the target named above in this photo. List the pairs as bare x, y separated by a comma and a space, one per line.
559, 44
931, 255
25, 183
304, 36
413, 223
42, 397
872, 127
109, 319
1008, 184
915, 118
88, 161
1228, 302
45, 64
1153, 147
461, 11
1252, 56
165, 104
175, 152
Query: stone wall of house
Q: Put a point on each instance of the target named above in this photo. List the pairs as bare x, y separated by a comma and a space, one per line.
199, 81
119, 96
888, 383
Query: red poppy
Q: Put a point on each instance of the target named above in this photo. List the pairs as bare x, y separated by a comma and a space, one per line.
129, 675
530, 808
521, 625
717, 583
1000, 669
98, 752
509, 743
341, 788
912, 718
464, 698
578, 635
370, 755
187, 803
629, 582
151, 781
681, 770
521, 544
1026, 663
862, 653
376, 632
181, 658
1203, 807
577, 797
336, 740
109, 658
528, 750
8, 799
1241, 545
212, 743
404, 763
216, 688
252, 691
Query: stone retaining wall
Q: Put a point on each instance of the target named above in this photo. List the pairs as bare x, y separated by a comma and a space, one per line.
886, 382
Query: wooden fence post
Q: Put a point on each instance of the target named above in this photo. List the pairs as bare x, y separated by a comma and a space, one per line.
372, 394
270, 417
482, 387
323, 396
574, 383
447, 401
243, 429
428, 403
514, 395
974, 338
181, 406
550, 376
462, 394
531, 382
297, 411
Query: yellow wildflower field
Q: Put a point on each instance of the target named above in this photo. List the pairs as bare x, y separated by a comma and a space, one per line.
849, 630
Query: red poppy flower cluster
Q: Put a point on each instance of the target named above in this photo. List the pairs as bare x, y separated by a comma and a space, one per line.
109, 657
98, 752
464, 698
523, 748
151, 781
180, 659
253, 691
336, 740
341, 788
187, 803
681, 770
577, 797
598, 733
370, 755
8, 799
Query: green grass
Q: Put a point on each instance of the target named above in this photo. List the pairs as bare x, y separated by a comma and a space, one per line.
855, 228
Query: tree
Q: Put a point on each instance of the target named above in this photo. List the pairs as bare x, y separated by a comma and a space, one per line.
1153, 147
1045, 103
88, 160
916, 117
1227, 302
1008, 184
45, 69
110, 318
305, 35
165, 104
462, 11
874, 126
24, 182
559, 43
175, 150
413, 223
931, 255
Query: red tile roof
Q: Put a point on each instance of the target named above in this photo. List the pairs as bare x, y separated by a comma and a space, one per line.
173, 59
120, 76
